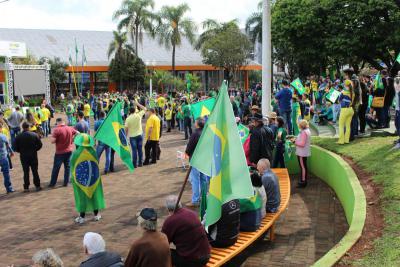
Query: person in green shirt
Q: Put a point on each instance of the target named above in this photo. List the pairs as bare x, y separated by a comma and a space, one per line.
296, 115
279, 160
187, 120
69, 110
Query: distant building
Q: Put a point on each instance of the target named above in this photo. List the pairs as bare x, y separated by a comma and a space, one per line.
57, 43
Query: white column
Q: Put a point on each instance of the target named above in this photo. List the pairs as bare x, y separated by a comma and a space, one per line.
266, 58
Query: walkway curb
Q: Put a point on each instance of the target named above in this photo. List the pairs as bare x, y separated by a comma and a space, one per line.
342, 179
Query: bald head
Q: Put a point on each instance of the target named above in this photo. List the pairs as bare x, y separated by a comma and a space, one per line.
263, 165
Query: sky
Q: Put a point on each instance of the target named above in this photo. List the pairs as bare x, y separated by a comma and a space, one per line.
97, 14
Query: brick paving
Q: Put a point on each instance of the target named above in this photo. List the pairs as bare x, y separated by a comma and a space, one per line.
313, 223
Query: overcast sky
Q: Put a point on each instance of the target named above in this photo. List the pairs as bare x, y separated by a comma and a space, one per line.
96, 14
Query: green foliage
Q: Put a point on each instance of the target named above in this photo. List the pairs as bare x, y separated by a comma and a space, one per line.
137, 17
311, 35
255, 76
375, 156
225, 46
195, 83
30, 59
161, 79
173, 26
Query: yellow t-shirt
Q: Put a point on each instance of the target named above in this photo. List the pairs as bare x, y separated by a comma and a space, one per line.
134, 124
168, 114
86, 110
161, 102
45, 114
37, 119
153, 122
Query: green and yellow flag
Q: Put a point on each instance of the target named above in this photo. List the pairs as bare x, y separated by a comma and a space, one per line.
243, 132
202, 108
112, 133
219, 154
85, 176
298, 86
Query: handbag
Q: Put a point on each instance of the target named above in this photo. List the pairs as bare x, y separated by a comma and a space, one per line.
378, 102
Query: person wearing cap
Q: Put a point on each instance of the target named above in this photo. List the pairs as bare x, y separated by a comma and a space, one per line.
284, 98
272, 123
152, 248
184, 229
95, 249
261, 140
27, 144
62, 138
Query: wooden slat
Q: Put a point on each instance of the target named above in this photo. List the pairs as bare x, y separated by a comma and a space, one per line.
220, 256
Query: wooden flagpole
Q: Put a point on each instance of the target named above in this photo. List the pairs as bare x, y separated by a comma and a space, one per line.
183, 188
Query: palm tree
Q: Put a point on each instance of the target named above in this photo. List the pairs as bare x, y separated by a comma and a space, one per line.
211, 28
254, 25
137, 16
119, 45
173, 27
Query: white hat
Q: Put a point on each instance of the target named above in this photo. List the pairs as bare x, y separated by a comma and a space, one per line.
94, 243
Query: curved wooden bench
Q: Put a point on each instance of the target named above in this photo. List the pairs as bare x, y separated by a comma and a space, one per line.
221, 256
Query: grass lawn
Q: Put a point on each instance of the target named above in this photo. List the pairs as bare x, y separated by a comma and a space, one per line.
375, 156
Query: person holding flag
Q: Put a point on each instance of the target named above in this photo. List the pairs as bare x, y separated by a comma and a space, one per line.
219, 154
86, 179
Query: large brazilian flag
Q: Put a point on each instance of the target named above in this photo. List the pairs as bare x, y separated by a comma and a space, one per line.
202, 108
86, 180
219, 154
112, 133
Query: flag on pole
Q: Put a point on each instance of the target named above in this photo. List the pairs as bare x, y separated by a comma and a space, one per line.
71, 63
112, 133
76, 52
398, 58
219, 154
298, 86
84, 59
188, 83
243, 132
202, 108
378, 83
85, 173
332, 95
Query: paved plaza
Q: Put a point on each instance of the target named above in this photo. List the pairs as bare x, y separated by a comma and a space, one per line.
313, 223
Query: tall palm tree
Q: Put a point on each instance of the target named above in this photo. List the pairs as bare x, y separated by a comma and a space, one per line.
137, 17
173, 27
211, 28
119, 45
254, 25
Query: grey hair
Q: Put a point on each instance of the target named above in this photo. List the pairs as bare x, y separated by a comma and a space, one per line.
170, 202
147, 225
264, 163
47, 258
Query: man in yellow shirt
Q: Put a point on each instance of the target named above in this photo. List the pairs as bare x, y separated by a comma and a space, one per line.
86, 111
45, 119
168, 117
152, 136
133, 129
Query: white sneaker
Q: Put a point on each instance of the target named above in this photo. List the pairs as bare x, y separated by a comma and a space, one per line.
97, 217
79, 220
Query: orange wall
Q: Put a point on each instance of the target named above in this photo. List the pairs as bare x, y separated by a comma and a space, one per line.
2, 76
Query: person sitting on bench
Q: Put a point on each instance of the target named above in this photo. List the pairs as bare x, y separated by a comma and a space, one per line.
184, 229
271, 185
225, 231
251, 212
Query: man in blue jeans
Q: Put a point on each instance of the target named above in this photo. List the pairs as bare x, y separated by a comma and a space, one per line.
198, 179
5, 167
100, 145
133, 129
62, 137
284, 98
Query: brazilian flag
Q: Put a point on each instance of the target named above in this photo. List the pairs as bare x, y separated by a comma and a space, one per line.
219, 154
243, 132
378, 83
250, 204
298, 86
86, 180
112, 133
202, 108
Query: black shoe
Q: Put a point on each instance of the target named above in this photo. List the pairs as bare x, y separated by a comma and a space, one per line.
38, 189
105, 172
26, 190
51, 186
146, 163
302, 184
65, 185
153, 162
11, 191
140, 165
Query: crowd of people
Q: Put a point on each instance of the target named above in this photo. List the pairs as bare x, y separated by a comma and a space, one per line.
353, 102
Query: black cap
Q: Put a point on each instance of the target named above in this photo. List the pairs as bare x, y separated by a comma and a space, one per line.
149, 214
257, 117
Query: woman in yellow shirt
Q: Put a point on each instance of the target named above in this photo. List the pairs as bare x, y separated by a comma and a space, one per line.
168, 117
